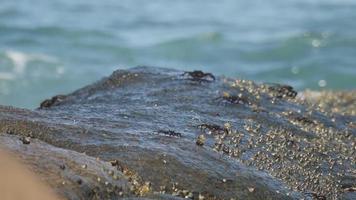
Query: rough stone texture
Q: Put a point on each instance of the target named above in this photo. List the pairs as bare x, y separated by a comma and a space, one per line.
151, 133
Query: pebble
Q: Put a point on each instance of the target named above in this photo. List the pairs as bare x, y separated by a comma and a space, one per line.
200, 140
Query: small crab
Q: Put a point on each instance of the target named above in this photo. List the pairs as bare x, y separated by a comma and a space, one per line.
305, 120
170, 133
216, 129
282, 91
25, 140
52, 102
199, 76
237, 100
300, 118
118, 165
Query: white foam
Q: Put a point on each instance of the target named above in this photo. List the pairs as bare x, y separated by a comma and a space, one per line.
20, 61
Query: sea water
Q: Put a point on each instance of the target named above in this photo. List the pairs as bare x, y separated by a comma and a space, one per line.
50, 47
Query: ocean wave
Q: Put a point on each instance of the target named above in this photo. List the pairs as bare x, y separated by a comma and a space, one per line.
295, 47
19, 62
202, 38
50, 31
194, 46
10, 13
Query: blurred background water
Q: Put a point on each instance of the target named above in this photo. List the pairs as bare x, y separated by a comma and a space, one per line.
49, 47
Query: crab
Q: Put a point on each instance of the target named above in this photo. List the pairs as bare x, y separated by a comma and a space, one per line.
170, 133
53, 101
237, 99
25, 140
213, 128
199, 76
282, 91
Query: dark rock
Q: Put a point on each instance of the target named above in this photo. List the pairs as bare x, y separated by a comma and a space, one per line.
291, 150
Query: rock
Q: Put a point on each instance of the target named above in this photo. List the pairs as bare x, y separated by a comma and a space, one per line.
46, 160
17, 182
261, 142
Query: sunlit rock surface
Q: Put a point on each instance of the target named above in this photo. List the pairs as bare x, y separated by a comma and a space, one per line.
151, 133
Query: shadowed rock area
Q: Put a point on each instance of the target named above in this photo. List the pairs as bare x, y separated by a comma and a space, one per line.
152, 133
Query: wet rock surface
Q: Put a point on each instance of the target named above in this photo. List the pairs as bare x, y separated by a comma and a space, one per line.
151, 133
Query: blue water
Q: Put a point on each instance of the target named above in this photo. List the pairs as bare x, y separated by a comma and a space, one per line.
49, 47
